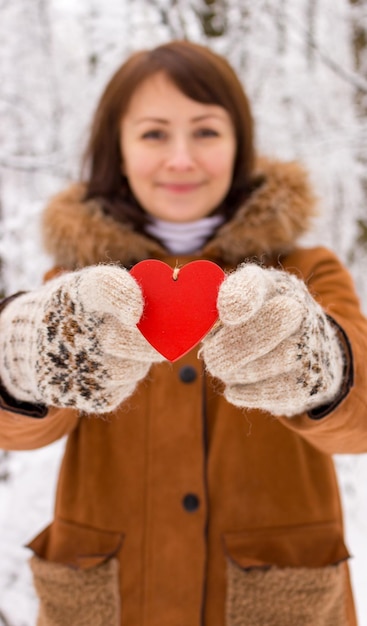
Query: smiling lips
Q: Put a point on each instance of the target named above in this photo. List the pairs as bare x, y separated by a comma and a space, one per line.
180, 187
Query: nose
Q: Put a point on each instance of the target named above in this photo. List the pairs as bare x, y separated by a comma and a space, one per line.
180, 157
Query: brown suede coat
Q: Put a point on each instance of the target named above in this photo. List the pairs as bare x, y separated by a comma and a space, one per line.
179, 509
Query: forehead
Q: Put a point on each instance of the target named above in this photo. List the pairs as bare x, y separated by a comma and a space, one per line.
158, 97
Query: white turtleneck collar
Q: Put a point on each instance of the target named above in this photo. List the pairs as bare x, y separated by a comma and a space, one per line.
186, 237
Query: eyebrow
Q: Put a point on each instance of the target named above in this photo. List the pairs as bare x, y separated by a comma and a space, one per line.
198, 118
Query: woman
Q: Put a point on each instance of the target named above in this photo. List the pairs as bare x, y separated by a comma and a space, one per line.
206, 494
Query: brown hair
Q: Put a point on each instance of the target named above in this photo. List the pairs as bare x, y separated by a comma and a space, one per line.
201, 75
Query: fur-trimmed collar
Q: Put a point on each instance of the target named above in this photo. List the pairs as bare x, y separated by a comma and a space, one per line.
277, 213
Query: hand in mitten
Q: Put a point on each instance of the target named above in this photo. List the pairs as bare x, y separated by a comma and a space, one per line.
274, 348
74, 341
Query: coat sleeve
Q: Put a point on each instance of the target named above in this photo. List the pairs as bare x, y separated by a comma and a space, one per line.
342, 429
25, 432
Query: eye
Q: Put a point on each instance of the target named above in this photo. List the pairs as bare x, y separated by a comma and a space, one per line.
206, 132
154, 134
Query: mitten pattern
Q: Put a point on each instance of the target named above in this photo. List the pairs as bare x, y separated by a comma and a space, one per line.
74, 342
275, 348
71, 362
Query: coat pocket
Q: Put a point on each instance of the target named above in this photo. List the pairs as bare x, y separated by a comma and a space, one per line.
286, 577
76, 575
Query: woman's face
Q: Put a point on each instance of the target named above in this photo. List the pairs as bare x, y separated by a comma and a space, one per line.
177, 154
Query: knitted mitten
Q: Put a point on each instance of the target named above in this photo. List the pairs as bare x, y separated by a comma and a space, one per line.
275, 348
74, 341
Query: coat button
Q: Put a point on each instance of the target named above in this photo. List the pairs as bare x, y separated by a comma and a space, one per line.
191, 502
188, 374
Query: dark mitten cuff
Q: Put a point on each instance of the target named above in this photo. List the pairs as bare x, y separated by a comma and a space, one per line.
348, 375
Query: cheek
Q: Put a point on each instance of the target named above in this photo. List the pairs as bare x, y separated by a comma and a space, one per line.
220, 165
220, 159
138, 166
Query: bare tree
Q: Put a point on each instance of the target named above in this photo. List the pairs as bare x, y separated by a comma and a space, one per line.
359, 35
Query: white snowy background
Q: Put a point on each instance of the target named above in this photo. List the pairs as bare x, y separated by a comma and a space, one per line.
304, 65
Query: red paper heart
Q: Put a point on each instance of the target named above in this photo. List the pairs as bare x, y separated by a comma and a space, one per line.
179, 305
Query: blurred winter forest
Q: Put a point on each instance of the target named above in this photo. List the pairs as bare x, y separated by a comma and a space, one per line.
304, 66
